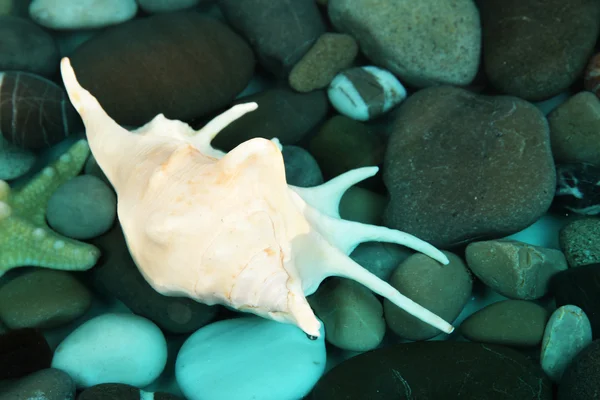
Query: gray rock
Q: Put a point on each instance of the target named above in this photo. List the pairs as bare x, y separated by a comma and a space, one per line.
330, 54
351, 314
26, 47
281, 113
82, 208
567, 333
515, 269
519, 57
281, 32
301, 169
43, 298
442, 289
381, 259
575, 129
517, 323
580, 241
461, 166
425, 43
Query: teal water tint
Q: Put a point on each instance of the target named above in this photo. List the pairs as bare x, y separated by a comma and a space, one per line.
482, 117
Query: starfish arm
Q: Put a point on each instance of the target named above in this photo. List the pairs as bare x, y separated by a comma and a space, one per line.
24, 244
31, 200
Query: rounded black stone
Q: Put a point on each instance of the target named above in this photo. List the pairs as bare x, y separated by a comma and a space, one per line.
23, 351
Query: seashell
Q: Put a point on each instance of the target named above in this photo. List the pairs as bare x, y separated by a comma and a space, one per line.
226, 228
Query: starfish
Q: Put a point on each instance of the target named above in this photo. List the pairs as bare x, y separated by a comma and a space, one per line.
227, 228
25, 238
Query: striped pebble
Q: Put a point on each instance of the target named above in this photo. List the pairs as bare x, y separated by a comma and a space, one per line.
364, 93
34, 112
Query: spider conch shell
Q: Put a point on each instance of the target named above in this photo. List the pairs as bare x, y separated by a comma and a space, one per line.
227, 228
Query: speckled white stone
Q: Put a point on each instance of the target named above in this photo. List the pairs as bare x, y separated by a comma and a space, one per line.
81, 14
249, 358
113, 348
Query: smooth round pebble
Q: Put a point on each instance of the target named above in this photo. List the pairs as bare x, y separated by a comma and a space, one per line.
508, 323
82, 208
81, 14
26, 47
249, 358
301, 168
567, 333
364, 93
43, 298
442, 289
113, 348
351, 314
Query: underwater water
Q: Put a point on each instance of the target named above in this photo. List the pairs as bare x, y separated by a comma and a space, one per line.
481, 116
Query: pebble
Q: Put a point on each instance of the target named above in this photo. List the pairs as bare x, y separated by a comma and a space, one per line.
84, 14
364, 93
342, 144
423, 43
249, 358
46, 384
567, 333
6, 7
580, 241
43, 298
575, 130
14, 161
22, 352
576, 188
301, 169
331, 53
438, 137
120, 391
17, 34
92, 168
163, 6
281, 113
36, 113
117, 276
280, 32
580, 287
362, 205
351, 314
379, 258
82, 208
159, 68
517, 323
519, 59
113, 348
442, 289
581, 379
514, 269
433, 370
